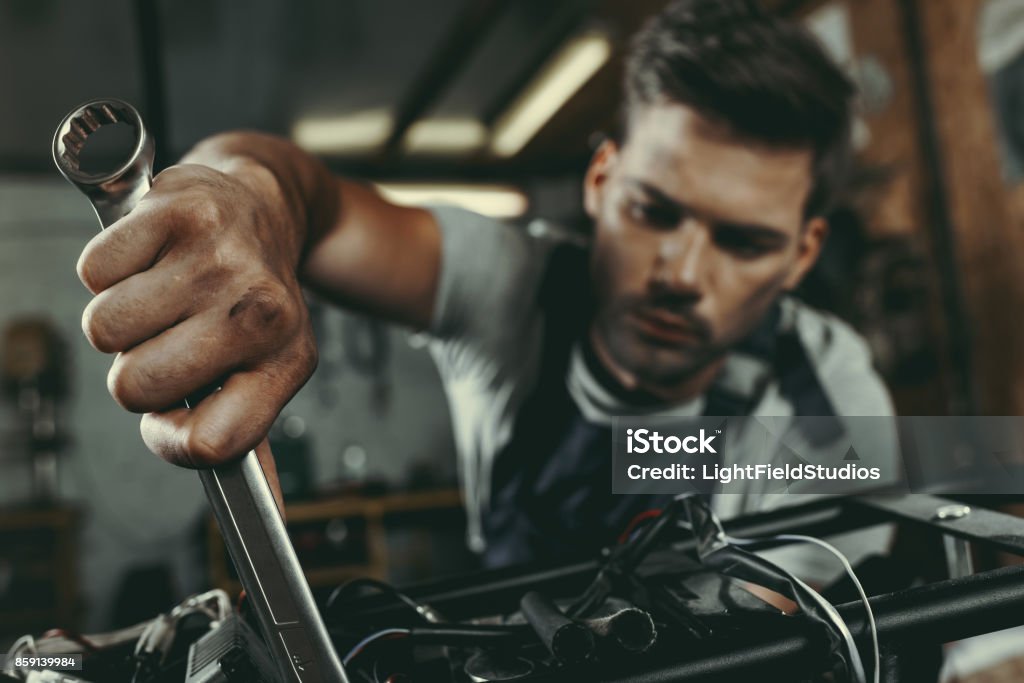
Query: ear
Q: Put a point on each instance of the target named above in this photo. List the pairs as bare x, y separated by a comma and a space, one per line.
596, 178
809, 245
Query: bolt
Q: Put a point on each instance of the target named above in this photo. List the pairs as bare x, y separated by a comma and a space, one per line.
954, 511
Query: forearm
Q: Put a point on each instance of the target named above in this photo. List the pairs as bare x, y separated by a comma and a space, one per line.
340, 238
296, 183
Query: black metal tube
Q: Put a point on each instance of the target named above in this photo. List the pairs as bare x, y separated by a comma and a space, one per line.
567, 640
470, 635
937, 613
624, 624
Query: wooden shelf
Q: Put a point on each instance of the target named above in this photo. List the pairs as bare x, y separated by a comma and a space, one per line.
376, 506
42, 543
372, 510
14, 519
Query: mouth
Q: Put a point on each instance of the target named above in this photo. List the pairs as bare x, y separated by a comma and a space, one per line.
665, 329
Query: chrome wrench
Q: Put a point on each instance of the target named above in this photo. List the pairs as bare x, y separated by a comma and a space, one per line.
239, 494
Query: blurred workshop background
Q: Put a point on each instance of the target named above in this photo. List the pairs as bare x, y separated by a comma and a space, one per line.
492, 104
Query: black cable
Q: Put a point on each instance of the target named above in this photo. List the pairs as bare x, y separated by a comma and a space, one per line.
623, 560
448, 635
386, 588
716, 552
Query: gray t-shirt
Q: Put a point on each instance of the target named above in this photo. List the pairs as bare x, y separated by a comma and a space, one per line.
489, 337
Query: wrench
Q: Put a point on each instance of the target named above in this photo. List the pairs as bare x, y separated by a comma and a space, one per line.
239, 494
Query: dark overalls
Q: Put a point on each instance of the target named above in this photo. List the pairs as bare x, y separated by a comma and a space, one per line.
551, 498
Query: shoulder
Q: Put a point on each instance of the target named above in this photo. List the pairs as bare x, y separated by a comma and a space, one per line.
486, 311
842, 360
489, 267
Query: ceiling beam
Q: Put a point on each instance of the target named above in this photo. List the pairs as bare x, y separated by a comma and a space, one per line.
470, 27
151, 57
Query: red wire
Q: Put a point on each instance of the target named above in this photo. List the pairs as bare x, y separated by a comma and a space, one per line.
68, 635
633, 523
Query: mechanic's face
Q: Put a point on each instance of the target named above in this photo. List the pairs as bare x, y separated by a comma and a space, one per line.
697, 233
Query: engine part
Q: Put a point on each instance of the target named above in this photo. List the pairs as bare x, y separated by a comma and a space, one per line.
230, 653
567, 640
628, 626
493, 667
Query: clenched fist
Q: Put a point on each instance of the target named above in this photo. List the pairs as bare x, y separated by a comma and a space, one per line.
196, 288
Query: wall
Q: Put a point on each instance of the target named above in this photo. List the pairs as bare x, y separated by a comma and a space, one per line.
988, 214
985, 211
135, 508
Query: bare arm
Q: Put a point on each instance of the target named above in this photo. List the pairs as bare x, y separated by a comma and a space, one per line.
200, 286
353, 246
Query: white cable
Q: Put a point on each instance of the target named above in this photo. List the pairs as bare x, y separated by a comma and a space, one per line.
849, 572
856, 664
370, 639
23, 643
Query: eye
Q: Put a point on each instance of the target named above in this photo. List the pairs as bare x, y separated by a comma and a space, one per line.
741, 243
653, 215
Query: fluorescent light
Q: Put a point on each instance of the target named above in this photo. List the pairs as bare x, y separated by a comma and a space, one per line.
499, 201
557, 81
355, 133
445, 136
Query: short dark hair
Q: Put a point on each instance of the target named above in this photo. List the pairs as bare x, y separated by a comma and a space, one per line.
767, 79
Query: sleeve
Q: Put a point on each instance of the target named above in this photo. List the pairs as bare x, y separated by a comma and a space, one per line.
488, 280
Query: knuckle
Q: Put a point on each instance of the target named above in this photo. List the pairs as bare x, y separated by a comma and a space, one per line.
128, 384
97, 330
207, 211
170, 174
204, 447
266, 305
309, 356
86, 268
226, 257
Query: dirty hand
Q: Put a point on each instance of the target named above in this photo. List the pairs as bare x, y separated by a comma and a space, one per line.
197, 288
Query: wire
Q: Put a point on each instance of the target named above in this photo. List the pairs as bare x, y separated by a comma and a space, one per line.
25, 642
636, 522
715, 549
367, 582
847, 567
73, 637
371, 639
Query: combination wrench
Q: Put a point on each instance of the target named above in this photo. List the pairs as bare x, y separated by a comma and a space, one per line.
239, 494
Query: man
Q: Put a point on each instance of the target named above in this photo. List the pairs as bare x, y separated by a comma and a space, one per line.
707, 209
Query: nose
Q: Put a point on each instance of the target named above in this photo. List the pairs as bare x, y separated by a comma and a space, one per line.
683, 259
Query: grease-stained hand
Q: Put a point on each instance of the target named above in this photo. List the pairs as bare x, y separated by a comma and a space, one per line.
195, 288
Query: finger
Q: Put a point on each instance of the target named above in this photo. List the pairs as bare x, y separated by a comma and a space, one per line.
162, 372
136, 309
224, 426
129, 246
266, 458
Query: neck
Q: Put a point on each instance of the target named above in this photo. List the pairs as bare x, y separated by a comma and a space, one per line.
688, 389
